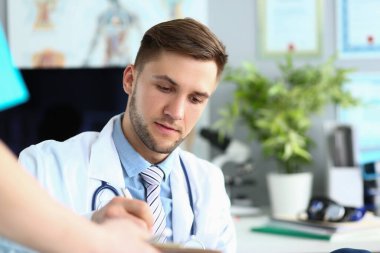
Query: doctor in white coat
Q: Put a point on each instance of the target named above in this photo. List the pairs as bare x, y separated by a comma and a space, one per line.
177, 69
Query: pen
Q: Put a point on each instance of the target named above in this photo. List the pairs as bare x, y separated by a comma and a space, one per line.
126, 193
166, 233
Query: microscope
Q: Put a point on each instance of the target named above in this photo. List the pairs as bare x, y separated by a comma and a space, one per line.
235, 162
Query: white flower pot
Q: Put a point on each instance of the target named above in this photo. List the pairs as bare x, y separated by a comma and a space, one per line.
289, 193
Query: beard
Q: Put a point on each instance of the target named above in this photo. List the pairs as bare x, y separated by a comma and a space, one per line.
141, 129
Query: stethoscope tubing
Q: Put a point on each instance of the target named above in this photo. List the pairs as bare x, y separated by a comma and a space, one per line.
102, 187
105, 186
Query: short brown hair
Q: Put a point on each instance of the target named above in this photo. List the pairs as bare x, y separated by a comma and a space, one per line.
184, 36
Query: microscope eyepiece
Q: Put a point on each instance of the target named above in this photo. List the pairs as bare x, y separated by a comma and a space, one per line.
215, 139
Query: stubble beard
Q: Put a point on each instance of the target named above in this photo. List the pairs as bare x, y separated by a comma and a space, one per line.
141, 130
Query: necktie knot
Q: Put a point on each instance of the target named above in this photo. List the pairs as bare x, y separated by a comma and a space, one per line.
152, 176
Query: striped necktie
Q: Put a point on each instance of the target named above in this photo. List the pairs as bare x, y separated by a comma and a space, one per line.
152, 178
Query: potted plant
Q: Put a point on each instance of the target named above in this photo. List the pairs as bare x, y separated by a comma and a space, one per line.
277, 114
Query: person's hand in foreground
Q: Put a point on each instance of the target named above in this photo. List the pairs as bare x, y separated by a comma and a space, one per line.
124, 235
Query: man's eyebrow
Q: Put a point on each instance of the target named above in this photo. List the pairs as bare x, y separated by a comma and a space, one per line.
165, 78
202, 94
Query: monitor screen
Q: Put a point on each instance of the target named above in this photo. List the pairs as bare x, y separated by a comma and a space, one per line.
364, 118
63, 102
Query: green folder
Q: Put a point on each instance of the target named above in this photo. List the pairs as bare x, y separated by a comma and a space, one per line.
290, 232
328, 231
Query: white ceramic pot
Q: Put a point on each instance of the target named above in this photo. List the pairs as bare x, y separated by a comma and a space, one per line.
289, 193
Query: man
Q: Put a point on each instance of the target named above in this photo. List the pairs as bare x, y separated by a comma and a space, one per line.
177, 69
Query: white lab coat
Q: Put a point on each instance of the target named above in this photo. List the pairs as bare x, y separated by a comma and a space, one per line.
72, 170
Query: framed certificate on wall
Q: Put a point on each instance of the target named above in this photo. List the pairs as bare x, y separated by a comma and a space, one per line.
358, 33
290, 26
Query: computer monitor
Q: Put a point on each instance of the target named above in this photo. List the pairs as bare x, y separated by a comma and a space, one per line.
364, 118
63, 102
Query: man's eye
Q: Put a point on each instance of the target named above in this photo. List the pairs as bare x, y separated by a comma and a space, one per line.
164, 88
195, 100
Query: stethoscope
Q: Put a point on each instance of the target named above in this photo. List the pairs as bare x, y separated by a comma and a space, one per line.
193, 241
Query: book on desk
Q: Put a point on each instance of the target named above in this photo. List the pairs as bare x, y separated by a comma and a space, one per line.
330, 231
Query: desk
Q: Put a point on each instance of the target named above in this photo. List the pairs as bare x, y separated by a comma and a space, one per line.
253, 242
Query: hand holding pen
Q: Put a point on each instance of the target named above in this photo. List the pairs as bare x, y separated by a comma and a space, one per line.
167, 247
167, 231
126, 207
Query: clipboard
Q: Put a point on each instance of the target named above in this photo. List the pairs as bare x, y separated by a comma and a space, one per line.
176, 248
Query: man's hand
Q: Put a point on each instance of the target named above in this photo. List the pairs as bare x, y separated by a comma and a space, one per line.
123, 236
122, 208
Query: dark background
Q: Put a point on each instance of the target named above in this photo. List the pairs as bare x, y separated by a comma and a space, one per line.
63, 102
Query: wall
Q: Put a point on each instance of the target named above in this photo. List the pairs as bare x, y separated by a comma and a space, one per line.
3, 13
235, 23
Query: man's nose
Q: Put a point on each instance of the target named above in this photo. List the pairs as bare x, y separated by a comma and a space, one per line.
176, 108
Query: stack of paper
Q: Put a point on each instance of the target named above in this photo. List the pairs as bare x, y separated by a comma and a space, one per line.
365, 229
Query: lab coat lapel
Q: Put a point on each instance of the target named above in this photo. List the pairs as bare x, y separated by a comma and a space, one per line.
104, 162
182, 216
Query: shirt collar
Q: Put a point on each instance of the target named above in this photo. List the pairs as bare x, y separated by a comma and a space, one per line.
171, 162
132, 162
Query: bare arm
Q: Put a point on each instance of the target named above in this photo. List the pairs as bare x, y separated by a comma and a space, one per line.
34, 219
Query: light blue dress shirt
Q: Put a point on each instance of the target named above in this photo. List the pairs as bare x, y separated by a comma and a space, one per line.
133, 163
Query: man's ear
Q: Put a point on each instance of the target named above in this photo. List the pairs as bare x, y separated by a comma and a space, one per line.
128, 78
